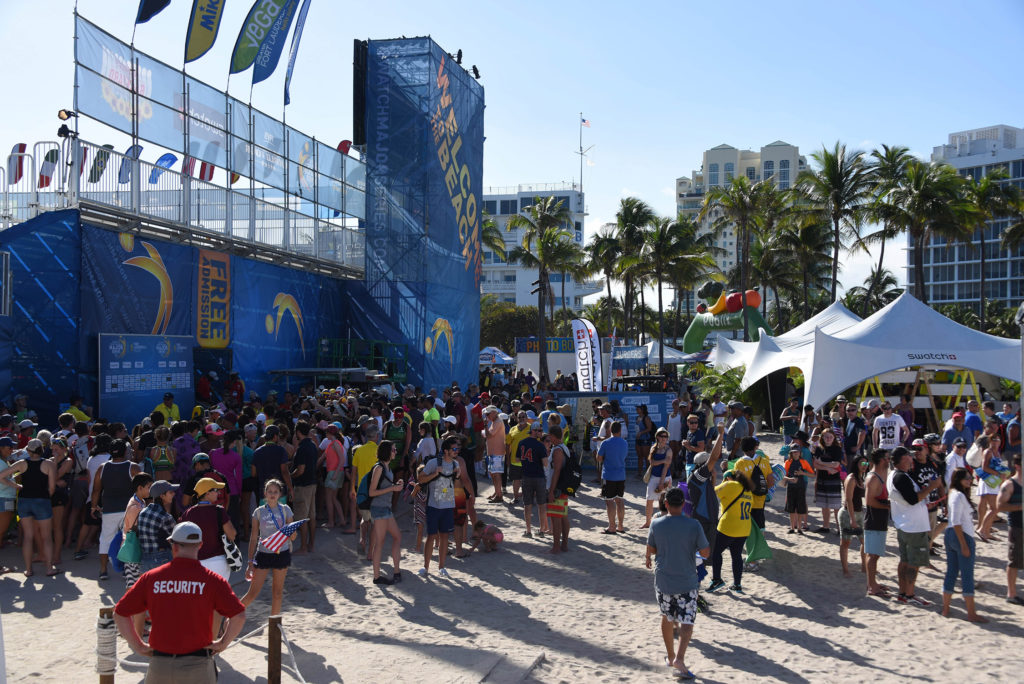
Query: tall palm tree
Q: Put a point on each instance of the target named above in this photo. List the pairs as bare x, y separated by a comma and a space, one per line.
602, 255
879, 289
838, 190
571, 263
696, 263
770, 265
631, 220
735, 205
888, 170
928, 203
491, 237
663, 246
990, 198
542, 227
808, 242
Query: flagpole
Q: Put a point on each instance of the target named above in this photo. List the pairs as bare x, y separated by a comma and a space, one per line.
581, 151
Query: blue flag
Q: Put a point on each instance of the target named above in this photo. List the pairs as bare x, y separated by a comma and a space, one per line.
294, 50
124, 174
269, 53
149, 9
164, 162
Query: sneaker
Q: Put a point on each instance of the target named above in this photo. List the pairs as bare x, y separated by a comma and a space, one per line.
822, 530
79, 555
751, 567
104, 575
382, 580
791, 531
736, 589
716, 585
902, 599
800, 532
422, 572
444, 573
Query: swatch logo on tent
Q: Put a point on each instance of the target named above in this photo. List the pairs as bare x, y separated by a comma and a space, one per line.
931, 356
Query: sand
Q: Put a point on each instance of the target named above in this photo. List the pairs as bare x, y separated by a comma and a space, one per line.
521, 614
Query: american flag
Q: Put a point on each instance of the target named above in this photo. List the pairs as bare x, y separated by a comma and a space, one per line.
585, 122
274, 542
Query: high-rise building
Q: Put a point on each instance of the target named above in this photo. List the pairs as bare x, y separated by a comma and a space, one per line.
952, 272
779, 161
512, 282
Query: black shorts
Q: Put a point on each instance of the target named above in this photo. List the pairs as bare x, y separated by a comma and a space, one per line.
93, 520
272, 561
60, 496
613, 489
515, 472
79, 492
249, 484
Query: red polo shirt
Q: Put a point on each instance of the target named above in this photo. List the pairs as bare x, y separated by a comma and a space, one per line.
180, 597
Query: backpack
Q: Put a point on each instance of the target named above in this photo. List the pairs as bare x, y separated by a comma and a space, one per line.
571, 475
363, 491
759, 483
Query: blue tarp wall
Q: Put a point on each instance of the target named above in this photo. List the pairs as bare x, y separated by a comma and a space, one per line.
72, 281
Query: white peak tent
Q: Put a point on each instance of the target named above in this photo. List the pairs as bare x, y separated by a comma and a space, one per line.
903, 334
731, 353
671, 355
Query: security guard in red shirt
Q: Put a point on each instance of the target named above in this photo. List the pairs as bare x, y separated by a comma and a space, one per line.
181, 597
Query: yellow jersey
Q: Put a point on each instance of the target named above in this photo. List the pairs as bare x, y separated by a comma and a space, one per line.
746, 466
734, 522
513, 438
363, 458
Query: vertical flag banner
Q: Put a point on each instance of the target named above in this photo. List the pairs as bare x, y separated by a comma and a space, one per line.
587, 346
47, 168
213, 309
294, 49
269, 53
16, 163
165, 161
203, 26
149, 9
257, 24
124, 174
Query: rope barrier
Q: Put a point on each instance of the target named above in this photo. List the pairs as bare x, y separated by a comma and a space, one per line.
284, 638
106, 643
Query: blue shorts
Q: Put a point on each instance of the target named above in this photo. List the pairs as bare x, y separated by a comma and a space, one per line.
8, 504
155, 559
381, 512
874, 542
440, 520
40, 509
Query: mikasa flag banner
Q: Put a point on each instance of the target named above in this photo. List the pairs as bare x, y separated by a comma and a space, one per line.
588, 355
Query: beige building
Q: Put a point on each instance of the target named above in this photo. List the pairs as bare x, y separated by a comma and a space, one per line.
779, 161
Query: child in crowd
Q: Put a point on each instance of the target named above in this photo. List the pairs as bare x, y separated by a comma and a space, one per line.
797, 472
487, 535
419, 508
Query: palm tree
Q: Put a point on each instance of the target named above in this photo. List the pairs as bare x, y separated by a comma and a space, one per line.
770, 265
808, 242
602, 254
491, 237
570, 262
838, 190
663, 247
888, 170
542, 227
928, 203
990, 198
735, 205
633, 216
696, 262
879, 289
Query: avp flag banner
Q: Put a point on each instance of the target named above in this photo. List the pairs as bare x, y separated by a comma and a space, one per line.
294, 49
254, 31
203, 26
588, 355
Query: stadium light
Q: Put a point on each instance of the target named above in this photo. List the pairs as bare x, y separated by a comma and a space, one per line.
65, 132
66, 114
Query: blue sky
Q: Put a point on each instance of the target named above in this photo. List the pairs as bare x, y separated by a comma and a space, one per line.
660, 81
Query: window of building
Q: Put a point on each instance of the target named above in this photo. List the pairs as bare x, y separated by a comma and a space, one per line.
1017, 169
509, 207
566, 204
712, 174
525, 202
578, 302
491, 207
510, 277
783, 174
769, 170
751, 173
729, 169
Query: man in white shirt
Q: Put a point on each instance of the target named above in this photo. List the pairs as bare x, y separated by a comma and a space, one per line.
889, 430
676, 423
909, 508
718, 409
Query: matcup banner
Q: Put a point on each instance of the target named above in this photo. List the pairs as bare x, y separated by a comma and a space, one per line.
588, 355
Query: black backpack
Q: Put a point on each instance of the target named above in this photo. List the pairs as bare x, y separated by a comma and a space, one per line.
758, 481
571, 475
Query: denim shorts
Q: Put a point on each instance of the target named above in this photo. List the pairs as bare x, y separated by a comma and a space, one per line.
8, 505
154, 559
381, 512
40, 509
874, 542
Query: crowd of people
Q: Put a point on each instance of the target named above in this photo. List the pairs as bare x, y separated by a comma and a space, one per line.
244, 476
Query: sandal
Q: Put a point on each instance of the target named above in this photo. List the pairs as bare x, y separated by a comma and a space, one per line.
608, 532
396, 578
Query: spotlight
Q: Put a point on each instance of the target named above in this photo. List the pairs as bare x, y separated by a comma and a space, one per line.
458, 56
476, 73
65, 132
66, 114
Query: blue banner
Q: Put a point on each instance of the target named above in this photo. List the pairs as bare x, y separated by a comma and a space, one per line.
135, 371
628, 358
124, 174
293, 51
165, 161
425, 136
273, 43
659, 406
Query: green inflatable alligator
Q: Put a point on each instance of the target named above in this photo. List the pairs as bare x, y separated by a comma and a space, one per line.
723, 312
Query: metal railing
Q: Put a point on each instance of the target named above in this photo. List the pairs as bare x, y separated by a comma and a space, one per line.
532, 187
132, 187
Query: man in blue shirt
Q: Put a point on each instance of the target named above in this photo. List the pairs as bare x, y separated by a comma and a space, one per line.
958, 430
675, 541
972, 419
613, 473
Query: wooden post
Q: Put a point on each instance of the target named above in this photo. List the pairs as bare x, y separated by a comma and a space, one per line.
108, 614
274, 650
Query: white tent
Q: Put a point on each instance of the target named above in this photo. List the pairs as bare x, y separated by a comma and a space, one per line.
798, 342
732, 353
904, 333
671, 355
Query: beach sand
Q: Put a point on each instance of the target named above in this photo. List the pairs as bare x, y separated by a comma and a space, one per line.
520, 614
